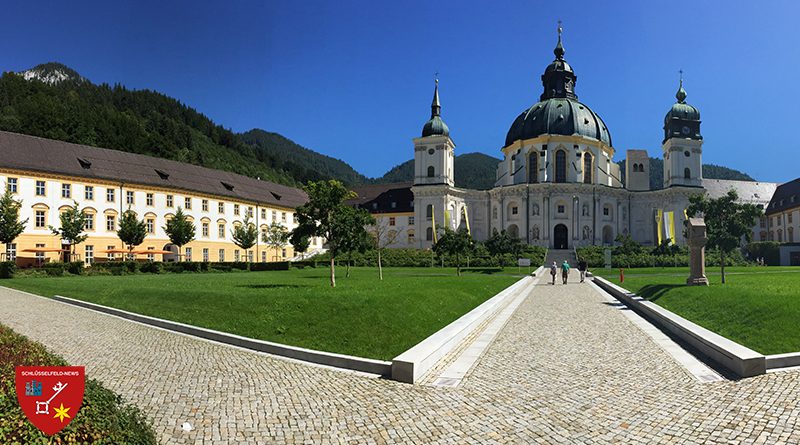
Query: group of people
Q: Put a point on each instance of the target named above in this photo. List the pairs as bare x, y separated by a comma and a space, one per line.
565, 267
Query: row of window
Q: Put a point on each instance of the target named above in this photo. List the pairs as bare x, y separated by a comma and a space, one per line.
40, 222
777, 220
11, 254
393, 221
88, 195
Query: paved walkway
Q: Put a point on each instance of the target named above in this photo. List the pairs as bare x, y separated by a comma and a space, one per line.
567, 368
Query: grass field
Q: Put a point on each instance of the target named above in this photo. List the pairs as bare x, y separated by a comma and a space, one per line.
361, 316
758, 307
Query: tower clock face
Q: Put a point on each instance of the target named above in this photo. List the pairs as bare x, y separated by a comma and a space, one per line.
685, 130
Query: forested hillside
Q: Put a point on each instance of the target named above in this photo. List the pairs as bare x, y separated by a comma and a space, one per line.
472, 170
54, 101
72, 109
710, 171
303, 164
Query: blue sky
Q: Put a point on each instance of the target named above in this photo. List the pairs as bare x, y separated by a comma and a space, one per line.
354, 79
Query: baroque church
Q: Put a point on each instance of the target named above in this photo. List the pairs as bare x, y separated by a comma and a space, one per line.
557, 185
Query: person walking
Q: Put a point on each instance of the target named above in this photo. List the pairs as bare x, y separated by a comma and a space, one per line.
564, 271
553, 272
582, 266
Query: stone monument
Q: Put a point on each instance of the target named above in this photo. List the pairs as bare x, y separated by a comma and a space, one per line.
696, 239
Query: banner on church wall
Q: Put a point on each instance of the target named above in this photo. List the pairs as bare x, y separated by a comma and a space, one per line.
659, 226
433, 223
466, 220
670, 227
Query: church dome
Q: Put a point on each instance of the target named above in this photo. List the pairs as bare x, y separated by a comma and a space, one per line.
563, 116
559, 111
680, 109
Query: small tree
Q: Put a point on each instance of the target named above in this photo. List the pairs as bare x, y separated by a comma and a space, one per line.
318, 218
10, 225
455, 243
384, 236
180, 230
501, 243
349, 224
276, 237
245, 236
132, 232
73, 223
727, 222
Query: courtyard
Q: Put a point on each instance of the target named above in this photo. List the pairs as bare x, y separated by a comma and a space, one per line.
362, 316
568, 367
758, 307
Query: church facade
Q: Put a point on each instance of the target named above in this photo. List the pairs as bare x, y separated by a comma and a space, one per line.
557, 185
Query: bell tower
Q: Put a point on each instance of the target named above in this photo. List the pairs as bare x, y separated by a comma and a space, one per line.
434, 150
683, 144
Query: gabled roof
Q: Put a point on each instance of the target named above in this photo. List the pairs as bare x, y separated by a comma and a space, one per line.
31, 153
787, 196
378, 198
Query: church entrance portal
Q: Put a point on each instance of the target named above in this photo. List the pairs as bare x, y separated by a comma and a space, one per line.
560, 237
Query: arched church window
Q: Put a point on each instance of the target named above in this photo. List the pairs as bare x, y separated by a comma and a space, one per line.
430, 171
429, 234
587, 168
687, 174
635, 167
429, 211
561, 166
533, 168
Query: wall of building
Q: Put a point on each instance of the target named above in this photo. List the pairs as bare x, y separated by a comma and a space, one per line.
104, 200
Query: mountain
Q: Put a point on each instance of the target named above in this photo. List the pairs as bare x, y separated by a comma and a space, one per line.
303, 164
53, 73
472, 170
56, 102
710, 171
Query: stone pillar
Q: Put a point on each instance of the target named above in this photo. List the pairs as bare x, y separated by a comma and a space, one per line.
696, 231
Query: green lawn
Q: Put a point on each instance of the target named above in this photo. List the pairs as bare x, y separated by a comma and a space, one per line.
758, 307
361, 316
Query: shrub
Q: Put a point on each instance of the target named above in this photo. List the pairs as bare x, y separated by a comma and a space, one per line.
75, 267
302, 264
7, 269
765, 249
103, 416
277, 265
151, 267
54, 269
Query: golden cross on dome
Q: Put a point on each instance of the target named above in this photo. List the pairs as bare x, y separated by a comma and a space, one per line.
560, 29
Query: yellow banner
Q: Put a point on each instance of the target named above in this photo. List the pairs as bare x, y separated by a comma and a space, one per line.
660, 225
671, 227
466, 219
447, 221
433, 222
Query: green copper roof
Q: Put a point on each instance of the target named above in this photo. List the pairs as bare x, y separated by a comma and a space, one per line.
435, 126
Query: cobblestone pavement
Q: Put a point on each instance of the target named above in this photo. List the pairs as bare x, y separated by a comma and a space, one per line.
567, 368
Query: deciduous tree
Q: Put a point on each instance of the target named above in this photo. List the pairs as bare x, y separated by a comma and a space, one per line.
10, 225
728, 222
73, 224
456, 243
180, 230
132, 232
245, 236
276, 237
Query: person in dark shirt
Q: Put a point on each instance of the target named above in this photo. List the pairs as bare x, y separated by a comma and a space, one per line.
582, 266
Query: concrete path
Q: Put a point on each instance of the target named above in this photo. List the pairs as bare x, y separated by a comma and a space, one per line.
567, 368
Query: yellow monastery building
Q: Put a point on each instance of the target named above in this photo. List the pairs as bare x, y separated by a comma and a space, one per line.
48, 176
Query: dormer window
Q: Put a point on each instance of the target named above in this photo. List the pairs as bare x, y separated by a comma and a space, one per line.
276, 196
84, 163
163, 175
228, 187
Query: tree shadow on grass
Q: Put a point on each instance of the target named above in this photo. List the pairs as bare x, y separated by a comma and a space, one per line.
272, 286
653, 292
